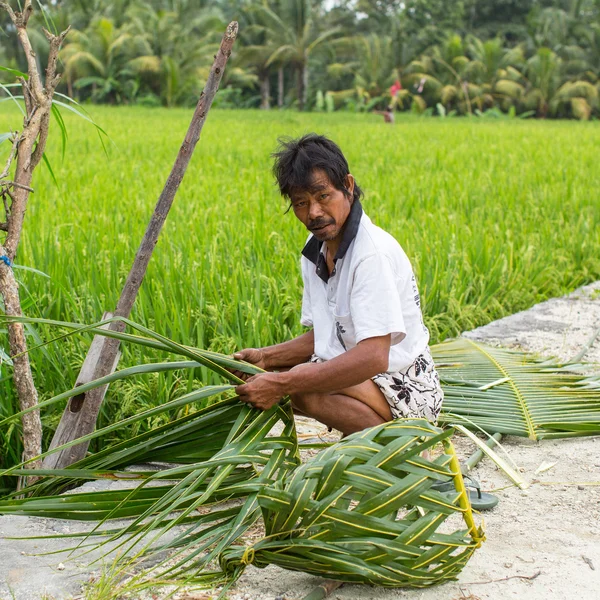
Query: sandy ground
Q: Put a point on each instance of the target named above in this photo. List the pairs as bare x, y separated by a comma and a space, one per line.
541, 543
559, 327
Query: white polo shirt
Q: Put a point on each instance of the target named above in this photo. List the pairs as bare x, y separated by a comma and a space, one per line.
371, 292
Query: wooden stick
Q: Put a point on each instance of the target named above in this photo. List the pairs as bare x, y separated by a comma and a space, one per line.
323, 590
81, 413
528, 577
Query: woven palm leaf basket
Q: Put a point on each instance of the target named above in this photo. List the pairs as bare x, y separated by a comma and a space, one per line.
364, 511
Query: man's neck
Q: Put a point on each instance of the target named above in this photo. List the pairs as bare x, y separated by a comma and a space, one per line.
332, 246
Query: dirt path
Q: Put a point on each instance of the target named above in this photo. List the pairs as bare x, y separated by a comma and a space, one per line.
542, 543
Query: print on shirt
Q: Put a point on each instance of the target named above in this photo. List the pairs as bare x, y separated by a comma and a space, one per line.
417, 299
339, 330
417, 296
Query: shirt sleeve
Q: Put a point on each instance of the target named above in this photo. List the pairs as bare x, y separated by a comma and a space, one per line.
306, 318
375, 304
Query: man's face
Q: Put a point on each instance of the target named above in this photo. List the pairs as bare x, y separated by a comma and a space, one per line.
322, 208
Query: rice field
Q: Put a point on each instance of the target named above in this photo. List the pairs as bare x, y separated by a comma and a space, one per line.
495, 216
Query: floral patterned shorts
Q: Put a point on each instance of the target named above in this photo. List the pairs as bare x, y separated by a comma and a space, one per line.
413, 392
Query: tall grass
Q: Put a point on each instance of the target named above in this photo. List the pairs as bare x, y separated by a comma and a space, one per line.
495, 216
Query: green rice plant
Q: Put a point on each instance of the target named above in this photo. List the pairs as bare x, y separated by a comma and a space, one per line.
494, 216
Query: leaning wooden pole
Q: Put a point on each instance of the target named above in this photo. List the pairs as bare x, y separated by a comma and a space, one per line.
82, 411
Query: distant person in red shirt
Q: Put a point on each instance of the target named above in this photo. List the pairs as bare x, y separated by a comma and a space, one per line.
395, 89
388, 113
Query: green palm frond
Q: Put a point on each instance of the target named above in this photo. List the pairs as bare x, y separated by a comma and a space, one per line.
224, 452
514, 74
578, 89
248, 459
509, 392
514, 57
448, 93
430, 81
509, 88
580, 108
363, 511
143, 65
79, 61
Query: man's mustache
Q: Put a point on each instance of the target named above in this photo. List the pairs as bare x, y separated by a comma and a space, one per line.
318, 223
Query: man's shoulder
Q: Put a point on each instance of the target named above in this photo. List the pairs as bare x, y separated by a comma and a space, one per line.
372, 239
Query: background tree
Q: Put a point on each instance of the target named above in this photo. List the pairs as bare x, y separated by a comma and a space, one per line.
292, 29
27, 152
157, 51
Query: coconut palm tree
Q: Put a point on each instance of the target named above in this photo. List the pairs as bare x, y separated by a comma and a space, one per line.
292, 29
254, 51
448, 76
98, 58
541, 87
370, 60
178, 48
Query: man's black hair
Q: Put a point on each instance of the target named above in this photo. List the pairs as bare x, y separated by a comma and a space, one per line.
295, 160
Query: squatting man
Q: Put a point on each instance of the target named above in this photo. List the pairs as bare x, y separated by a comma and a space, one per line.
365, 358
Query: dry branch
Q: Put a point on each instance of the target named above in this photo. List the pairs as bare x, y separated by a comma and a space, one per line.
11, 157
28, 150
527, 577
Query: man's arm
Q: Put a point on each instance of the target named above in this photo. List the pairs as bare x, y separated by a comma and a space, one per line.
367, 359
281, 356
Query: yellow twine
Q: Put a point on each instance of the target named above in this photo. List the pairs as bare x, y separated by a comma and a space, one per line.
248, 556
477, 533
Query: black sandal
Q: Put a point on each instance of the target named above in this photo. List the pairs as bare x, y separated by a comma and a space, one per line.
479, 500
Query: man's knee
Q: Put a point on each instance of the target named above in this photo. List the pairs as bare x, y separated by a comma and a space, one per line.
307, 402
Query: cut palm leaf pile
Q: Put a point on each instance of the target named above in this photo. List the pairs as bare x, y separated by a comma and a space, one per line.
363, 511
513, 393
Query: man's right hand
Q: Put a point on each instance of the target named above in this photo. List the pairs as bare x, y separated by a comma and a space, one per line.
254, 356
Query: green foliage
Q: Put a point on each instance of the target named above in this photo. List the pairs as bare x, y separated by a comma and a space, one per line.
515, 394
128, 51
363, 511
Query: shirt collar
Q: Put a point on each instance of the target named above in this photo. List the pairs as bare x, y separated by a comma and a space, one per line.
312, 249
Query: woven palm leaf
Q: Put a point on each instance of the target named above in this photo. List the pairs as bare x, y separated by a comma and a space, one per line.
509, 392
364, 511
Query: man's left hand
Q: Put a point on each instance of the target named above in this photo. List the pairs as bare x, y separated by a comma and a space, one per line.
261, 391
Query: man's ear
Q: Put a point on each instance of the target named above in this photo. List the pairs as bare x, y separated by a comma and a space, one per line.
350, 183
